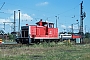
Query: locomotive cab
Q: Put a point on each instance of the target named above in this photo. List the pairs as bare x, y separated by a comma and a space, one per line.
41, 23
51, 25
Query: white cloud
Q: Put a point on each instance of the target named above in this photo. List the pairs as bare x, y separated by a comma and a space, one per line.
4, 20
42, 4
69, 27
63, 26
23, 16
26, 17
74, 27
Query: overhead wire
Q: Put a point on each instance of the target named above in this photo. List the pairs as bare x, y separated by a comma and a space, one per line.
65, 12
69, 10
44, 11
2, 5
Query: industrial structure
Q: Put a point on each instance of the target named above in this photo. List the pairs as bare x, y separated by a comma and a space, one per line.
82, 16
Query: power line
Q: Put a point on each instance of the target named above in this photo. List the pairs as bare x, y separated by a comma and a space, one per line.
45, 11
67, 10
2, 5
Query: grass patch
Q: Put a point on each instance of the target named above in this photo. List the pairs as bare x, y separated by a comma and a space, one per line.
47, 51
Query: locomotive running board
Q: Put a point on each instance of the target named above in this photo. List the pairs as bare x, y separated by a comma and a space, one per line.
45, 38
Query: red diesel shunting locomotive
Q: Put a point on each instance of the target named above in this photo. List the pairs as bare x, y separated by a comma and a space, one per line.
43, 31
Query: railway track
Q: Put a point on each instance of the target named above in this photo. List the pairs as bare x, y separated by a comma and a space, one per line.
9, 46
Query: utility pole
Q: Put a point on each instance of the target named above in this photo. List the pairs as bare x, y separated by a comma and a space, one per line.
19, 20
56, 21
78, 25
72, 28
4, 25
14, 21
82, 16
19, 25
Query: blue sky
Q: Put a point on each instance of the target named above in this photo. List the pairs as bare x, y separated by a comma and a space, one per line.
33, 10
